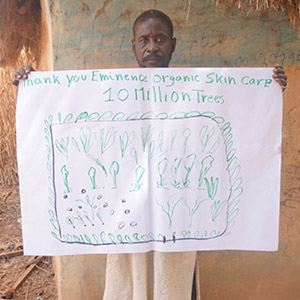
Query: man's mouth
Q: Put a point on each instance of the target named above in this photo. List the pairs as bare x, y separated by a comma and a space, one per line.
152, 58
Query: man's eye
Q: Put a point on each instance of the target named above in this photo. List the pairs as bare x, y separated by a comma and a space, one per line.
143, 41
160, 40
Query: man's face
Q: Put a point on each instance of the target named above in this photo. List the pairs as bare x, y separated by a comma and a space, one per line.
153, 44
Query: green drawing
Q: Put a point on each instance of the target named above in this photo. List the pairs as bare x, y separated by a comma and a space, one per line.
169, 210
186, 134
88, 202
92, 175
146, 135
74, 142
194, 209
188, 165
108, 139
212, 187
215, 146
134, 155
162, 167
216, 208
206, 165
65, 174
124, 141
99, 215
151, 151
173, 136
174, 169
87, 139
114, 170
139, 172
161, 141
62, 146
205, 135
97, 161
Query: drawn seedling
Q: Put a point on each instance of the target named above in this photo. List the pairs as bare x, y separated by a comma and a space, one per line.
151, 151
188, 166
99, 215
169, 209
173, 136
88, 202
146, 135
205, 135
124, 141
97, 161
74, 142
134, 155
216, 209
114, 170
139, 172
87, 139
211, 187
174, 169
162, 167
108, 139
65, 174
206, 165
194, 209
215, 146
161, 141
62, 146
92, 175
186, 134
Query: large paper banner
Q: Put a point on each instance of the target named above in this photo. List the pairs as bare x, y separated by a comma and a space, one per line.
133, 160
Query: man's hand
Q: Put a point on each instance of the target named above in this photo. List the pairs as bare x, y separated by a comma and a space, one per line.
280, 76
21, 74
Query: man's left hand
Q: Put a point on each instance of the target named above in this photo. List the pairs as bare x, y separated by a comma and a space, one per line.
280, 76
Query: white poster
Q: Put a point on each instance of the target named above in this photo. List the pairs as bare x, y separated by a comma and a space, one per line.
133, 160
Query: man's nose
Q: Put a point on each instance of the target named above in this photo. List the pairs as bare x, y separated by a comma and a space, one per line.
152, 46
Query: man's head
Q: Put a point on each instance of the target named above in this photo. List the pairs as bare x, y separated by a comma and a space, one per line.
153, 43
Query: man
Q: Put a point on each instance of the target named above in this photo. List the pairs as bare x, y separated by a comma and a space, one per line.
152, 275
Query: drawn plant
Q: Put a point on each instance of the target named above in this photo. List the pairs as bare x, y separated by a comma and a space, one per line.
62, 146
151, 151
114, 170
99, 215
173, 136
146, 135
188, 166
215, 146
139, 172
186, 134
211, 187
193, 209
216, 208
170, 207
206, 165
162, 167
74, 142
174, 170
134, 154
87, 139
65, 174
89, 203
92, 175
124, 141
205, 135
108, 139
161, 141
98, 162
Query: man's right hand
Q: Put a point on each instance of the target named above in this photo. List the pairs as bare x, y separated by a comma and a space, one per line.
21, 74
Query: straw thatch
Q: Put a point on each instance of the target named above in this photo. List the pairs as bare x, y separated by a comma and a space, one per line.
290, 7
20, 29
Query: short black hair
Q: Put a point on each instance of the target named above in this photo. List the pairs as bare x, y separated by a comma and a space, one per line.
154, 13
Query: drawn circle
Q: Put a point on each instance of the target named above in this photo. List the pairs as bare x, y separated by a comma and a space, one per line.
127, 211
133, 223
99, 197
123, 200
69, 209
105, 204
112, 212
65, 196
79, 206
121, 225
83, 191
95, 206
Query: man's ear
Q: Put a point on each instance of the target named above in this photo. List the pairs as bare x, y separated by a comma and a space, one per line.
174, 44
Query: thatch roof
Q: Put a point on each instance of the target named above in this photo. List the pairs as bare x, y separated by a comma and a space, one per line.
19, 29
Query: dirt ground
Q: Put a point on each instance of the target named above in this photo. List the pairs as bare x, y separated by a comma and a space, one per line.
39, 283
